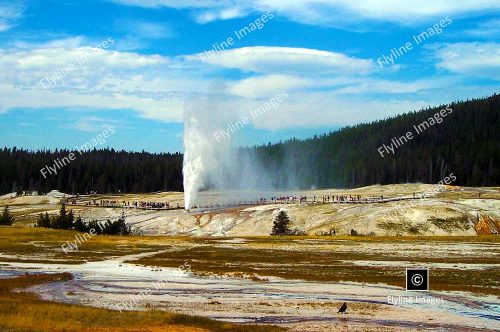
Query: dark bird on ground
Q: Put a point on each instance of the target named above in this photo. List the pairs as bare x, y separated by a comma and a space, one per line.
343, 308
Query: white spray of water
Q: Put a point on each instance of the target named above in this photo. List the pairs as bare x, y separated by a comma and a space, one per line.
203, 155
192, 165
211, 163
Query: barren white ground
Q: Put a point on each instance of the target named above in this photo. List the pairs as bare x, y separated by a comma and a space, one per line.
440, 213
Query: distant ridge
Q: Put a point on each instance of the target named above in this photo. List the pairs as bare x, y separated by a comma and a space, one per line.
466, 143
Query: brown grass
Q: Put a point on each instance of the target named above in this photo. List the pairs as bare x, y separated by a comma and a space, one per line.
314, 258
325, 266
22, 311
29, 243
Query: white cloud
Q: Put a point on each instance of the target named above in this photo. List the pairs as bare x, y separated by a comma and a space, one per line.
10, 13
93, 124
53, 59
267, 86
4, 26
485, 29
138, 34
153, 30
320, 109
171, 3
105, 79
162, 109
305, 61
473, 59
221, 14
325, 88
403, 12
145, 29
337, 110
378, 86
67, 42
330, 12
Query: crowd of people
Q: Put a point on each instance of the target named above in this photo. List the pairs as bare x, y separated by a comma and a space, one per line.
152, 205
324, 199
145, 205
343, 198
284, 199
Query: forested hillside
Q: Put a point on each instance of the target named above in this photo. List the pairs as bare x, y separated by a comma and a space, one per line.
466, 143
103, 171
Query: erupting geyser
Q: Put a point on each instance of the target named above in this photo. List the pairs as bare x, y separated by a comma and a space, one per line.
203, 155
192, 164
212, 161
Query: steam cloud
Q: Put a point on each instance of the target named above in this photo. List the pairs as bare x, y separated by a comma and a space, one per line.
215, 164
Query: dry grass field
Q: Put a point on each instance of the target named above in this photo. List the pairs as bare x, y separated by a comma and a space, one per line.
22, 311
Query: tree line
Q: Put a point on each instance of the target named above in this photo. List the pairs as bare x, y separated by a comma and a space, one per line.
467, 144
102, 171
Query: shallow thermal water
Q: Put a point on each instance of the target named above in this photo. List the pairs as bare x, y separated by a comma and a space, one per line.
122, 286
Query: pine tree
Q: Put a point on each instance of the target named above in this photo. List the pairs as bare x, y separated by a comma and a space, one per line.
54, 222
43, 220
46, 220
79, 225
280, 224
94, 224
61, 219
122, 227
70, 219
64, 220
6, 218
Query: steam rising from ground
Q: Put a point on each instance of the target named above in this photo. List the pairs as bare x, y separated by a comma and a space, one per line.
215, 163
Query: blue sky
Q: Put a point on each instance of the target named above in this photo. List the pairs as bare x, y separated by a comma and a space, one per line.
70, 69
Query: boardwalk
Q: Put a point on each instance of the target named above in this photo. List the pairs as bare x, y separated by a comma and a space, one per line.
367, 200
318, 201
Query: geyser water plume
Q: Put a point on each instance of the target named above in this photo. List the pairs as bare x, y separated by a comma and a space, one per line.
202, 152
213, 162
192, 164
